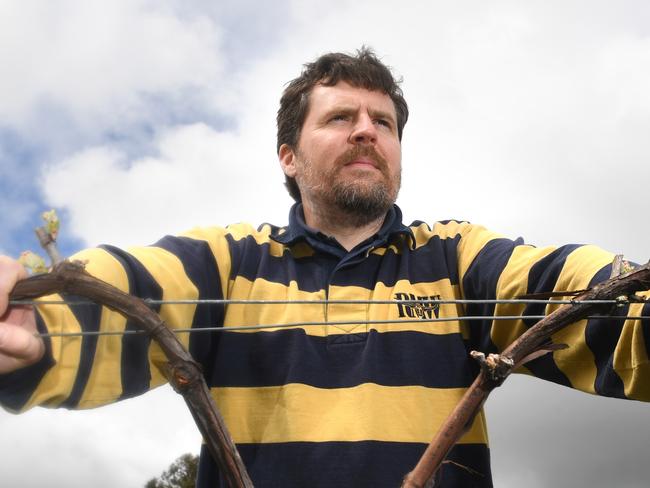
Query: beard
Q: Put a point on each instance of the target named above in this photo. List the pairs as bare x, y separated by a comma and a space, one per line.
358, 198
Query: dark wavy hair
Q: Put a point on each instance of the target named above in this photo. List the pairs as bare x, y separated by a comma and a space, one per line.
362, 70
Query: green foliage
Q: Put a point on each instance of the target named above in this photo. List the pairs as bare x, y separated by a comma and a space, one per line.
180, 474
33, 262
52, 223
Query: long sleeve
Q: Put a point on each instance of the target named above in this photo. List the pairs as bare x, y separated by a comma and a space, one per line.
88, 371
605, 356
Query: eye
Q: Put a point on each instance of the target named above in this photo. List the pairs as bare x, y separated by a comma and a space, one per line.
383, 122
338, 117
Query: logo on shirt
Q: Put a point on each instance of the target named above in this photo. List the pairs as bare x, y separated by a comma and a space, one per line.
417, 306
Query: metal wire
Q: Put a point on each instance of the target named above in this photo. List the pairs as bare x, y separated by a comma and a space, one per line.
424, 301
441, 301
327, 324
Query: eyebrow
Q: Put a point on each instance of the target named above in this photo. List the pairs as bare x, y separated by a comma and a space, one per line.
383, 115
340, 109
349, 110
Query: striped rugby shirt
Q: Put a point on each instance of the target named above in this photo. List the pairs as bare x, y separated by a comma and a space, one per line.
351, 403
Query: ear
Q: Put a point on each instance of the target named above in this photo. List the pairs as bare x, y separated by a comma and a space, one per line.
287, 159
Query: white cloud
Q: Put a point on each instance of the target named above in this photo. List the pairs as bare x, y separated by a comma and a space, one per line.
198, 176
123, 445
97, 61
504, 92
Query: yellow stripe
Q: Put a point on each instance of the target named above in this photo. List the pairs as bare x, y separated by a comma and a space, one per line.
578, 363
297, 412
166, 268
631, 357
423, 233
342, 312
350, 312
57, 383
513, 282
300, 250
261, 289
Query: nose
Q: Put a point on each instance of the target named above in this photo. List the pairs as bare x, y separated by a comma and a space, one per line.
363, 131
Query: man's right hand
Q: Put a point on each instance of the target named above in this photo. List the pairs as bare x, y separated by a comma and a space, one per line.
19, 346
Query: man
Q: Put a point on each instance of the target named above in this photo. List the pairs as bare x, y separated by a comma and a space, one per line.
353, 400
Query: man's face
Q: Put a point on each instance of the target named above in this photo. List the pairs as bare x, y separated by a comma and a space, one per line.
348, 156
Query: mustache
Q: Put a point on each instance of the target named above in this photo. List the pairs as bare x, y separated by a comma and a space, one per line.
362, 151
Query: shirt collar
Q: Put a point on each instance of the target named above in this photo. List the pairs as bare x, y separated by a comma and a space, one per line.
298, 230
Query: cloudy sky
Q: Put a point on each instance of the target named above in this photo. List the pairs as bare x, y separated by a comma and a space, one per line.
138, 118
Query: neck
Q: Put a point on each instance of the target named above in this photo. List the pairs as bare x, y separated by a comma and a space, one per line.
343, 227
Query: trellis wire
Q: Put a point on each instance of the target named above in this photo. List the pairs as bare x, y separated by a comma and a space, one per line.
442, 301
424, 301
327, 324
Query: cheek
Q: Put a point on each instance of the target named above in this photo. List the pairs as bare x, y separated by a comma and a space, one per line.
321, 157
395, 159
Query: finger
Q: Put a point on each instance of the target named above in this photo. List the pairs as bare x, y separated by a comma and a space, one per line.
19, 347
10, 272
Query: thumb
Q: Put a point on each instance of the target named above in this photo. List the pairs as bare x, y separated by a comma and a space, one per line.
19, 347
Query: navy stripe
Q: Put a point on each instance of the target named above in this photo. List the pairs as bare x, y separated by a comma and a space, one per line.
201, 268
543, 277
480, 282
390, 358
135, 373
417, 223
602, 337
476, 457
17, 387
434, 261
368, 464
252, 261
89, 315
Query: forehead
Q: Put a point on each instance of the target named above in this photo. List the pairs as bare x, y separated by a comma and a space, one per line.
343, 95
